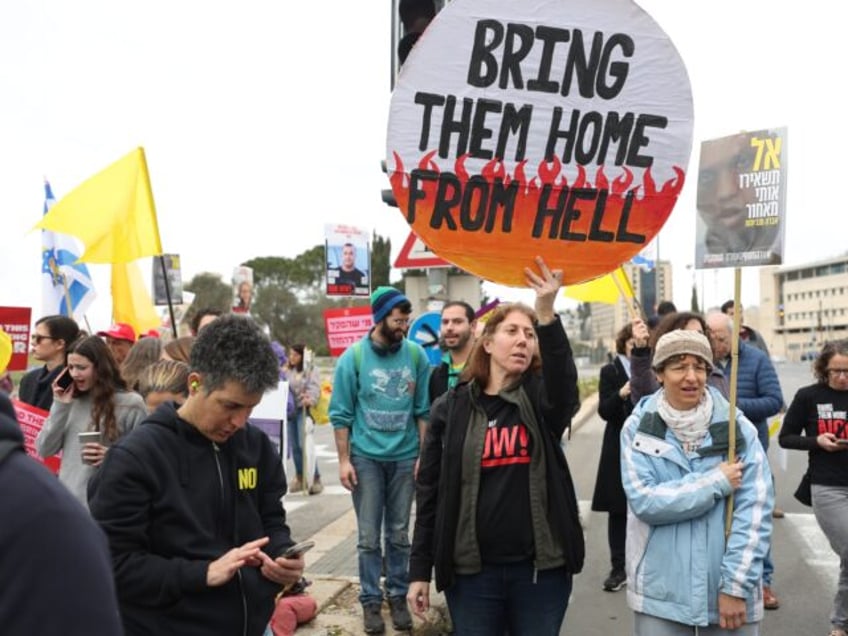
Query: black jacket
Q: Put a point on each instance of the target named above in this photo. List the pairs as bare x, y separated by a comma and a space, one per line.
171, 502
36, 387
54, 560
609, 493
555, 399
438, 384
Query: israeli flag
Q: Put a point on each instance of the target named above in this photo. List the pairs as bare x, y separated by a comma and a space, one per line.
647, 258
63, 279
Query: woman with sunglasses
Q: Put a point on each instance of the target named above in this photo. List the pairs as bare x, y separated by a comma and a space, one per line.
96, 401
52, 337
816, 422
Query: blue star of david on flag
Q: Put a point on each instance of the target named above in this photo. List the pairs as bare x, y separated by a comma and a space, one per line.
66, 285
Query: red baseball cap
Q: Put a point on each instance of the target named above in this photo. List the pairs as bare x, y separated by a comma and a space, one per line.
119, 331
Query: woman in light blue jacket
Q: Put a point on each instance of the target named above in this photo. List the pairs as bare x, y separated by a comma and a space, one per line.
684, 577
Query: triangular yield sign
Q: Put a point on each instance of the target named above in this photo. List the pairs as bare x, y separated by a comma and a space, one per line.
414, 254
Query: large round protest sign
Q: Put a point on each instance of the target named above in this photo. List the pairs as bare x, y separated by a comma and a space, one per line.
559, 128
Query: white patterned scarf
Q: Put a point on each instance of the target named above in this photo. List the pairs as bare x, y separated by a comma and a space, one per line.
690, 426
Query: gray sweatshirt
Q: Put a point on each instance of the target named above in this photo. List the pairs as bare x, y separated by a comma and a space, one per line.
66, 421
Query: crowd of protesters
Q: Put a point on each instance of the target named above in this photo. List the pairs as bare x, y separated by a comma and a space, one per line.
187, 532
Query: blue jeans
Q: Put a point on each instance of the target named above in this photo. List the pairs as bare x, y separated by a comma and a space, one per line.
382, 500
294, 428
506, 597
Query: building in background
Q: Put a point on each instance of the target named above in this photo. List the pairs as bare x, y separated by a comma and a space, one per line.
649, 288
430, 289
803, 306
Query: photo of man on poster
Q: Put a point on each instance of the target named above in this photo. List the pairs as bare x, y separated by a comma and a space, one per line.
348, 263
741, 200
348, 273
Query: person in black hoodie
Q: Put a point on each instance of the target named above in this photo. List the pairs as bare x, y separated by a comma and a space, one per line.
55, 561
496, 512
191, 500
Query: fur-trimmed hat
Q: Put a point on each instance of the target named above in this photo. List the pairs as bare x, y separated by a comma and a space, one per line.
682, 342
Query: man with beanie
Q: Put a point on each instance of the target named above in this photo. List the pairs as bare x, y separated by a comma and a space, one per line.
379, 412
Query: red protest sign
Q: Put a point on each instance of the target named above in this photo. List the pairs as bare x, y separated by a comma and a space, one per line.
15, 322
31, 420
345, 326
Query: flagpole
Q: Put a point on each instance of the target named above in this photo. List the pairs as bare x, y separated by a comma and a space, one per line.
734, 375
628, 298
161, 258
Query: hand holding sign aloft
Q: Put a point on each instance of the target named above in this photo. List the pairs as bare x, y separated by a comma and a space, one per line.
641, 335
546, 284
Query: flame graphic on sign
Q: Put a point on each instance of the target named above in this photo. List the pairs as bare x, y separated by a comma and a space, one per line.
592, 225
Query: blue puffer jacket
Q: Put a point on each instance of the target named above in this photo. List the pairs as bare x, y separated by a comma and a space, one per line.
677, 560
758, 391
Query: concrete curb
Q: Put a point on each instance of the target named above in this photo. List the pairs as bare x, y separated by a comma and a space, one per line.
588, 408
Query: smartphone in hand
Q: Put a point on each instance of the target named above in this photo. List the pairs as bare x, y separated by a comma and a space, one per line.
300, 548
64, 380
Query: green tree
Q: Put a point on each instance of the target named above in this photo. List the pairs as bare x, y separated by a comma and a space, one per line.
210, 291
381, 250
289, 297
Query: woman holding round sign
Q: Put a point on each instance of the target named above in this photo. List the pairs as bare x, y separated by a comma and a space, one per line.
496, 511
689, 571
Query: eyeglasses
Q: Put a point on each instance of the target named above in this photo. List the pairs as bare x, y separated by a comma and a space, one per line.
835, 373
37, 338
683, 369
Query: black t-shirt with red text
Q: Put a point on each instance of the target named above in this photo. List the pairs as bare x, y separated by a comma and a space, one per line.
504, 525
818, 409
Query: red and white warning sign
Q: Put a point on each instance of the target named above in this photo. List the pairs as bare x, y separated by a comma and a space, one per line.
415, 254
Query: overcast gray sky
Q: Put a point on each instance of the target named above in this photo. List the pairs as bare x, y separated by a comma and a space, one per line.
267, 113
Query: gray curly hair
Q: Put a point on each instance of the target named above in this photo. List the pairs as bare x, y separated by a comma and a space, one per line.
233, 348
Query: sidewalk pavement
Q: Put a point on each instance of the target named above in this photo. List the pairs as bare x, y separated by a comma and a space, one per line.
332, 567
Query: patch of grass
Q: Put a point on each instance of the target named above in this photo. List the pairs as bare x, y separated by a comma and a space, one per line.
587, 386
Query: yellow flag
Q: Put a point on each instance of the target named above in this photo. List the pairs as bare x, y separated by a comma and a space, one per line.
604, 289
112, 213
5, 350
130, 301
